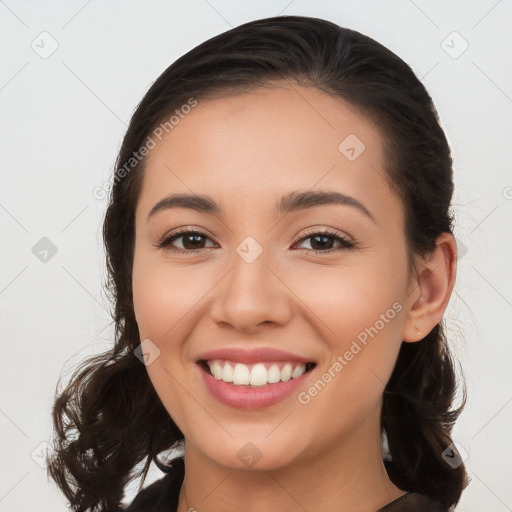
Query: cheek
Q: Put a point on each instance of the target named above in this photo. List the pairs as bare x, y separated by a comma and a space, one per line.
360, 312
347, 300
162, 298
362, 318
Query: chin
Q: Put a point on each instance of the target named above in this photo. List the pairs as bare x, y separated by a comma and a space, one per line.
260, 454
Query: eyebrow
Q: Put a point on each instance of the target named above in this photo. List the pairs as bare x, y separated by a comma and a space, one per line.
292, 202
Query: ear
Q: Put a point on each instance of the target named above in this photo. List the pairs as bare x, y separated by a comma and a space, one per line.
430, 289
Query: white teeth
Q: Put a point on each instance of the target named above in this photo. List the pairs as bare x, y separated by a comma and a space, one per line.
286, 372
227, 374
298, 371
274, 374
241, 375
258, 375
217, 370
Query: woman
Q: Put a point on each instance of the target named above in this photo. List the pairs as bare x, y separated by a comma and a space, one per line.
280, 251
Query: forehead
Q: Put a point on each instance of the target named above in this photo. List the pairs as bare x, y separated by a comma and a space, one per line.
265, 143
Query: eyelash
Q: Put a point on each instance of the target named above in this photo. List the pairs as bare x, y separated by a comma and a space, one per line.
345, 243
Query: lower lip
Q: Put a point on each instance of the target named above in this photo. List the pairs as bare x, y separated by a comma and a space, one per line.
242, 397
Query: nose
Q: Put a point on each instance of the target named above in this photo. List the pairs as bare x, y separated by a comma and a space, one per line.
251, 295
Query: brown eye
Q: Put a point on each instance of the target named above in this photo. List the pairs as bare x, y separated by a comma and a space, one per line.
191, 241
323, 241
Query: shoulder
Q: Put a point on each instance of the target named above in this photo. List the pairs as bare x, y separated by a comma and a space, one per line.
414, 502
161, 495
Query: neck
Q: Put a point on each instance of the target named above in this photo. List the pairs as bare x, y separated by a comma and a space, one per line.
349, 476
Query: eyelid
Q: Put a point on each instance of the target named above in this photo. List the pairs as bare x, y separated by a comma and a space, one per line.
325, 231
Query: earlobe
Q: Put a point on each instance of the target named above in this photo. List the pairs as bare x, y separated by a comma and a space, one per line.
432, 290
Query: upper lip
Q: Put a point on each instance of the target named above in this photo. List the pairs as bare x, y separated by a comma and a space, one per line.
256, 355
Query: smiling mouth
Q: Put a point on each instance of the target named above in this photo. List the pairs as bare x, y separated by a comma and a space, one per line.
254, 375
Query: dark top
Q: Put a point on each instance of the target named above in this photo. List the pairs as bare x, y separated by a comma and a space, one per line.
162, 496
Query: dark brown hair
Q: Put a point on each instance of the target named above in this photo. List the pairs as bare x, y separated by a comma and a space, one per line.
109, 419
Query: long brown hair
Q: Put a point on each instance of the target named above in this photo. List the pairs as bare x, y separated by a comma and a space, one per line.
109, 418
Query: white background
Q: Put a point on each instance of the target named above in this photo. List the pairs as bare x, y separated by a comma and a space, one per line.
62, 121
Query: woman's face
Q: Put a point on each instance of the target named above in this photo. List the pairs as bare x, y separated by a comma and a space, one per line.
251, 280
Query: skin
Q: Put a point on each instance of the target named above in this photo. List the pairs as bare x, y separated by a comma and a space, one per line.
246, 152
